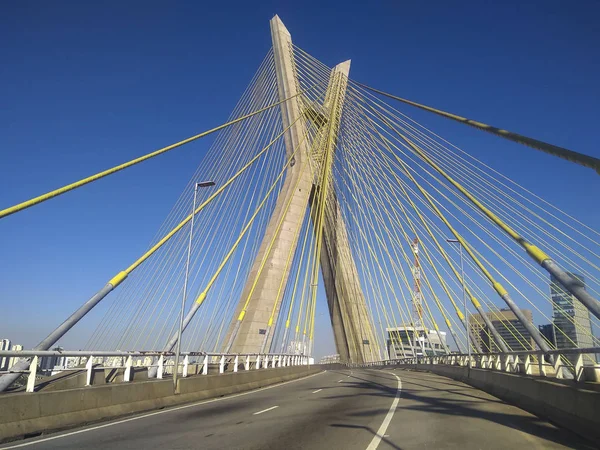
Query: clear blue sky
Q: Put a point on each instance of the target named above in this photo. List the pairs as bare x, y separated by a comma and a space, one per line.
85, 86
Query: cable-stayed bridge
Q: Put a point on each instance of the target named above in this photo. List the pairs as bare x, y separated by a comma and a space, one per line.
320, 186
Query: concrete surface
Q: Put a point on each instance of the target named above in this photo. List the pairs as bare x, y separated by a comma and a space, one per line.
569, 404
23, 414
338, 409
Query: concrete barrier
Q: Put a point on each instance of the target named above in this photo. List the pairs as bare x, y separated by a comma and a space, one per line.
30, 414
568, 404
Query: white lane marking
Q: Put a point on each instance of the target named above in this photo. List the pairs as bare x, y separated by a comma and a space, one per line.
265, 410
318, 390
163, 411
388, 418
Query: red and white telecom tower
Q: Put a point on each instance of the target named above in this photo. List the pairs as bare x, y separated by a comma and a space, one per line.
416, 270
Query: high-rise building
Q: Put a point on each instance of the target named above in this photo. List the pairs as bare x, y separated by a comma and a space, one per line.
403, 340
572, 322
4, 345
509, 327
547, 331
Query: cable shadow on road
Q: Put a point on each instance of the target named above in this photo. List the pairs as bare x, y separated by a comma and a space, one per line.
527, 424
387, 441
483, 398
427, 401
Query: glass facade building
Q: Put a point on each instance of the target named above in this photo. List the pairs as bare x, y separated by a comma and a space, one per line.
571, 319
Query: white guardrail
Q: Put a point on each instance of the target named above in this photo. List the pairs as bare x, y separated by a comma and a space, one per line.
96, 360
580, 364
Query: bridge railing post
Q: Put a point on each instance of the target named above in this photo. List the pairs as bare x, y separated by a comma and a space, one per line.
579, 373
510, 363
498, 362
127, 373
205, 365
186, 366
558, 367
257, 366
32, 374
528, 366
222, 364
89, 366
247, 362
236, 361
541, 366
161, 367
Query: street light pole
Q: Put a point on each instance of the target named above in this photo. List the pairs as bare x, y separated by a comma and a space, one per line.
185, 280
462, 276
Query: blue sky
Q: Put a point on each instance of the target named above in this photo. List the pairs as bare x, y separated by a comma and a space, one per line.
88, 86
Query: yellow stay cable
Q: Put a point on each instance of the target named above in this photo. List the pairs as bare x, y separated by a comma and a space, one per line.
474, 301
569, 155
69, 187
377, 177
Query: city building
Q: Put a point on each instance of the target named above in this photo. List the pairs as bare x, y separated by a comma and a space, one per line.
50, 364
547, 331
14, 359
510, 328
572, 322
4, 345
423, 341
295, 347
330, 359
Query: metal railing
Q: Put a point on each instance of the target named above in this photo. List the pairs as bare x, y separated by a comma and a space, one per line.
579, 364
129, 361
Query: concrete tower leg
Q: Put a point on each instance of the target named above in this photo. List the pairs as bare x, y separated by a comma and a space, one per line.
352, 328
248, 335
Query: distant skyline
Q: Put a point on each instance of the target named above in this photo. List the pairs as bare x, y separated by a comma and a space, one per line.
87, 86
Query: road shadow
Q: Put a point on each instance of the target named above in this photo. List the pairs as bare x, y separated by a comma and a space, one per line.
428, 396
387, 441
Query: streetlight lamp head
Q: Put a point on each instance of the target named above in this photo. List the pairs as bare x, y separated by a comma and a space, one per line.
205, 184
452, 240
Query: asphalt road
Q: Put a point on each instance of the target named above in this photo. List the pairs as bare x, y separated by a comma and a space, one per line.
359, 409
